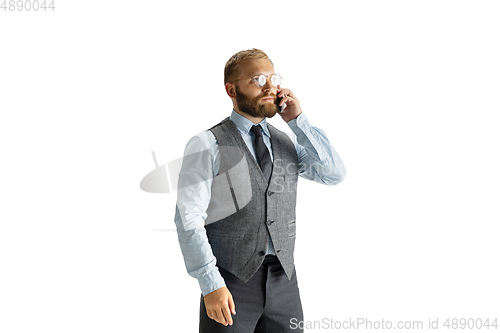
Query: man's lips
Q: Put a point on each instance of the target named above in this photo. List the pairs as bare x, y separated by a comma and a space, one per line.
268, 99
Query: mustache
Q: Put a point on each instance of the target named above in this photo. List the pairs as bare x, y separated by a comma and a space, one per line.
268, 95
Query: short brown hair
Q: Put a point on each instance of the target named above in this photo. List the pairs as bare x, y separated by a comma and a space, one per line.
230, 70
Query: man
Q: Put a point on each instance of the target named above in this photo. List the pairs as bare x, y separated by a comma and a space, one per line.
235, 212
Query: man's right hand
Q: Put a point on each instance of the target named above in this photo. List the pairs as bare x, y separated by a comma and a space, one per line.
220, 305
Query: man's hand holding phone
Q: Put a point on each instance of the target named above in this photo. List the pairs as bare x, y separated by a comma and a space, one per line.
292, 108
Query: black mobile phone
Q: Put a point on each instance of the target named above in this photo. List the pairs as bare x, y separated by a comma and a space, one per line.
280, 108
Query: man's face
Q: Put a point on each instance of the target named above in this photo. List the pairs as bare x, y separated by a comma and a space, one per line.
255, 101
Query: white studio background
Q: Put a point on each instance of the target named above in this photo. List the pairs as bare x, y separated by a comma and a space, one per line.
407, 91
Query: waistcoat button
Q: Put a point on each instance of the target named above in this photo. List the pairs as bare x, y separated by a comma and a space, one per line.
270, 222
270, 193
261, 253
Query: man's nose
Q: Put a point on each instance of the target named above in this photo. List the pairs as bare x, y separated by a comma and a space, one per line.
268, 85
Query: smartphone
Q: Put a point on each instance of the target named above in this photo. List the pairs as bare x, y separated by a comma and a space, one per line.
280, 108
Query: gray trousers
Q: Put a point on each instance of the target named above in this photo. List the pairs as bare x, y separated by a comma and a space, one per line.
265, 304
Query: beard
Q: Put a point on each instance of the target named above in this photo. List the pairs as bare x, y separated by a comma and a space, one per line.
252, 107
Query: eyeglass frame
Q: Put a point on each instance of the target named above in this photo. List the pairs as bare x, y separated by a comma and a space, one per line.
255, 79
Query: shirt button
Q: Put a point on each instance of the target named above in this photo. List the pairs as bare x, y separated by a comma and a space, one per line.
262, 253
270, 222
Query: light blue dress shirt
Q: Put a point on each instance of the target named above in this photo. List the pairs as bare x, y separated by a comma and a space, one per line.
318, 161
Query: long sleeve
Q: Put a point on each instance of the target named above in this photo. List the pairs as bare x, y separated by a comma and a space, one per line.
318, 160
193, 197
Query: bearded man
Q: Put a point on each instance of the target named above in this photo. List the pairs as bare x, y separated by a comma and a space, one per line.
235, 212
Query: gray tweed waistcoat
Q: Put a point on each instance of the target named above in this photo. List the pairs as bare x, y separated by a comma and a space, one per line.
245, 209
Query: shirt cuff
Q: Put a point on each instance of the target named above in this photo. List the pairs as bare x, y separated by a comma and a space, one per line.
300, 124
211, 282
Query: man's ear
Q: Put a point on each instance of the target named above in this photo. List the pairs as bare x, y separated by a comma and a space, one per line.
231, 90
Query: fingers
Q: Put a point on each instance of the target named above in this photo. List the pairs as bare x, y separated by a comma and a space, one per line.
232, 307
223, 315
285, 92
287, 96
289, 103
287, 100
219, 317
227, 316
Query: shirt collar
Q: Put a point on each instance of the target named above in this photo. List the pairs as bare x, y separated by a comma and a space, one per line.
244, 124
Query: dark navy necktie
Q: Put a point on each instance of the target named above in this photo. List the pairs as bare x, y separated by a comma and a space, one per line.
262, 153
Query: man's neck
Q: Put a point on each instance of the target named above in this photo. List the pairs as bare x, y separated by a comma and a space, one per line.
254, 120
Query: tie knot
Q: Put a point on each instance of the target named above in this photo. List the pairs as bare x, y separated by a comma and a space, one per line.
256, 130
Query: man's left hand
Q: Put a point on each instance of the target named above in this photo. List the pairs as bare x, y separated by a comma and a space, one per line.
292, 109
